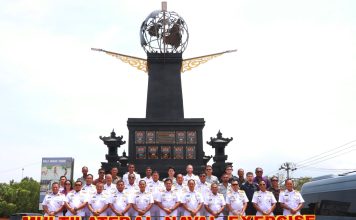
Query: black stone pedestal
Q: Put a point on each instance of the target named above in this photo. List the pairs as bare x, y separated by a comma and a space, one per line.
163, 143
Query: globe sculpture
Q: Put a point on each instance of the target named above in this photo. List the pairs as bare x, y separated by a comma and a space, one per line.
164, 32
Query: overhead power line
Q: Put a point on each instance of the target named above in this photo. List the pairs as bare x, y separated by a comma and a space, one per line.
320, 157
330, 169
316, 162
325, 156
315, 156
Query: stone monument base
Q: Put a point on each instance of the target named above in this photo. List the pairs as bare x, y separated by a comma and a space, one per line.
161, 144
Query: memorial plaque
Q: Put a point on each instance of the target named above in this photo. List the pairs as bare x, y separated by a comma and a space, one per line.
166, 152
139, 137
191, 137
178, 152
190, 151
150, 137
180, 137
152, 152
165, 137
140, 152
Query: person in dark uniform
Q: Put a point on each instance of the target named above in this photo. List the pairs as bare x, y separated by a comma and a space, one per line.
228, 172
250, 188
276, 190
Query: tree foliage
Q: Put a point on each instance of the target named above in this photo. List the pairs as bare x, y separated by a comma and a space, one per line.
19, 197
298, 183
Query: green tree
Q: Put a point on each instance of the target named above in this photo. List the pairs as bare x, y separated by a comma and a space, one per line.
298, 183
19, 197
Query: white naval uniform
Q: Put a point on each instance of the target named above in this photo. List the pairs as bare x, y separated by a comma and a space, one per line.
236, 200
174, 180
192, 200
142, 200
109, 190
54, 202
98, 201
74, 200
215, 203
292, 199
180, 190
168, 199
125, 178
120, 201
190, 177
264, 200
205, 191
131, 190
147, 180
155, 188
88, 191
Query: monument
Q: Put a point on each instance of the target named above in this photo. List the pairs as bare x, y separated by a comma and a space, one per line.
113, 142
219, 143
164, 137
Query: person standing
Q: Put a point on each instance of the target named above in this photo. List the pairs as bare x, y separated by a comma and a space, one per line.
99, 202
171, 172
121, 201
62, 180
240, 177
67, 188
228, 172
109, 186
180, 188
204, 189
85, 171
142, 201
76, 201
88, 190
276, 191
190, 175
131, 170
210, 178
250, 188
101, 178
224, 186
148, 177
263, 200
132, 188
168, 200
215, 203
192, 200
179, 185
259, 177
53, 203
291, 200
109, 189
156, 189
114, 171
236, 200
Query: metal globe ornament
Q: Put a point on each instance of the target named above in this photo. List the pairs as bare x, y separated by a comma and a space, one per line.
164, 32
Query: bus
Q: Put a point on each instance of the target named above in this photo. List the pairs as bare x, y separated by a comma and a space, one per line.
331, 197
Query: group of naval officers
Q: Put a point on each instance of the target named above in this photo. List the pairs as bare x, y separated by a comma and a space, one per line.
180, 195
